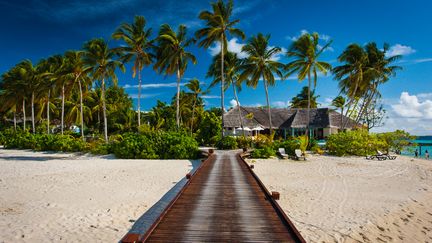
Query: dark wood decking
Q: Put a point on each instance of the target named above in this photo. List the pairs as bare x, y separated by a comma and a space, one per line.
223, 202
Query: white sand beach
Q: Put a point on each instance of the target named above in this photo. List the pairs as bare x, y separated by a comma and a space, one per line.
332, 199
70, 198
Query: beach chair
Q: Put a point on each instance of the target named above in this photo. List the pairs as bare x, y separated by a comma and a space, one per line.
299, 155
390, 157
282, 153
378, 156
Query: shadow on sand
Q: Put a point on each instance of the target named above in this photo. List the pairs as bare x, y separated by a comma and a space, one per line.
143, 223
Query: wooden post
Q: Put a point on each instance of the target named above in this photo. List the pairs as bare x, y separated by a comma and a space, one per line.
275, 195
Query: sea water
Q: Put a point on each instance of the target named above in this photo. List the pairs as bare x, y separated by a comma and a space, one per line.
409, 151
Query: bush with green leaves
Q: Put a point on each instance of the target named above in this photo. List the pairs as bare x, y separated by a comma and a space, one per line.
263, 153
244, 142
396, 140
357, 142
156, 145
290, 145
227, 142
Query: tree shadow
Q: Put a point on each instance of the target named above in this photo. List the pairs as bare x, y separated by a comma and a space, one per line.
145, 221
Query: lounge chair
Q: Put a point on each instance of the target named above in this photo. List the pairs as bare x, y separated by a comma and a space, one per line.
299, 155
282, 153
390, 157
378, 156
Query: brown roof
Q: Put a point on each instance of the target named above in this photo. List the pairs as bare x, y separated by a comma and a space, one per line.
285, 118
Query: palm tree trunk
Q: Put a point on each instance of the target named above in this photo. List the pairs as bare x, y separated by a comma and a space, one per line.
239, 110
81, 110
178, 98
48, 112
24, 114
193, 115
15, 121
62, 111
268, 107
139, 98
341, 116
309, 106
104, 111
32, 111
222, 84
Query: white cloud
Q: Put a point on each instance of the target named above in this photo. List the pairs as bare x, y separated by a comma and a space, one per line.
143, 96
233, 103
329, 48
233, 46
280, 104
399, 49
210, 97
276, 57
423, 60
410, 107
153, 86
323, 37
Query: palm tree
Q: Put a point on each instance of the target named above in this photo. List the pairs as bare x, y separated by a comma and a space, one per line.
100, 59
78, 71
138, 48
261, 65
301, 100
196, 90
11, 93
339, 102
306, 51
218, 26
231, 65
172, 56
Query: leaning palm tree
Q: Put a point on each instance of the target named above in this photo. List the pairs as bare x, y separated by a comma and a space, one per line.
260, 64
196, 90
138, 49
339, 102
78, 71
218, 26
172, 56
102, 63
231, 65
306, 52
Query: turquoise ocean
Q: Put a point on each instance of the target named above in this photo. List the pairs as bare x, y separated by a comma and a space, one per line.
427, 140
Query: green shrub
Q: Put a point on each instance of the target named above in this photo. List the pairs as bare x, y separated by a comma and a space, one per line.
262, 141
227, 142
2, 138
357, 142
263, 153
244, 142
155, 145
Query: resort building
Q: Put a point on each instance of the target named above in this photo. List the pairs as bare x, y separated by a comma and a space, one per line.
286, 122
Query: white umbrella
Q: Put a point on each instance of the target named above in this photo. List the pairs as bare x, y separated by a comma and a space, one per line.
258, 128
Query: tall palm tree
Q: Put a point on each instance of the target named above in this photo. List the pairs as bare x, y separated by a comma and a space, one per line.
306, 52
339, 102
102, 63
172, 56
29, 75
196, 90
232, 64
260, 64
75, 67
218, 25
11, 93
138, 49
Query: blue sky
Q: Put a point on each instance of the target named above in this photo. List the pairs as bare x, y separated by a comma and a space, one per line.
39, 28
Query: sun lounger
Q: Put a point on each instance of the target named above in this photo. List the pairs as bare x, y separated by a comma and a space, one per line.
380, 156
282, 153
390, 157
299, 155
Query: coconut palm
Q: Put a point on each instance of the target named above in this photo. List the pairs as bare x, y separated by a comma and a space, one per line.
102, 63
11, 93
196, 90
231, 65
261, 64
218, 25
138, 49
78, 71
172, 56
339, 102
301, 100
306, 52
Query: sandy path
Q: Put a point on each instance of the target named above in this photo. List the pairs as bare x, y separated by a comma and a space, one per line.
333, 199
69, 198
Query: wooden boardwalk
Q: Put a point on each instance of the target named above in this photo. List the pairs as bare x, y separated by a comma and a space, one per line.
223, 202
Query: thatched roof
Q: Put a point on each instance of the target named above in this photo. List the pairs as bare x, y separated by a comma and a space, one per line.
284, 118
